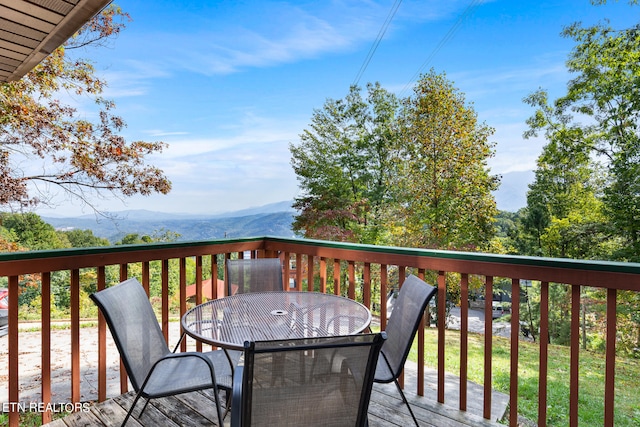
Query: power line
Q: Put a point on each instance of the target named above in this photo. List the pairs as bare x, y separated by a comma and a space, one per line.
448, 36
377, 41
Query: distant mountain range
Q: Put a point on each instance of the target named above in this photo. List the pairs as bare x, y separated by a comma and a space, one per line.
270, 220
512, 194
274, 219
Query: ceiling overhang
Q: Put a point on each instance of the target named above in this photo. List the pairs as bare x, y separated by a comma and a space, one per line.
31, 30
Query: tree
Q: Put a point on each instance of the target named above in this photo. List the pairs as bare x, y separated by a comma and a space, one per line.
443, 183
565, 214
599, 118
343, 166
62, 150
32, 232
162, 235
84, 239
585, 201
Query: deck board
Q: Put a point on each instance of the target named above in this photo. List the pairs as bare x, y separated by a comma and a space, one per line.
198, 409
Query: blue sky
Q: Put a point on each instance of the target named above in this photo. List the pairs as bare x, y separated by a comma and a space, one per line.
229, 85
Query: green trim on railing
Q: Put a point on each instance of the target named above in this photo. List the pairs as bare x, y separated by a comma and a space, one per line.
58, 253
618, 267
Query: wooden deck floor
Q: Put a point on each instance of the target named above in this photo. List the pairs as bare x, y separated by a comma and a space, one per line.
386, 408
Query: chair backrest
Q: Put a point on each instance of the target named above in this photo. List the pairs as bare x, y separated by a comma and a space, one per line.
253, 275
134, 328
312, 381
412, 299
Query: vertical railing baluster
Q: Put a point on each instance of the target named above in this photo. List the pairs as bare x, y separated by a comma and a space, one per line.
287, 271
14, 351
198, 295
323, 275
366, 284
574, 363
383, 296
164, 310
421, 352
182, 291
401, 277
299, 271
515, 341
488, 346
75, 335
214, 277
442, 303
124, 379
351, 273
45, 344
102, 342
310, 277
336, 276
464, 338
544, 353
610, 370
145, 276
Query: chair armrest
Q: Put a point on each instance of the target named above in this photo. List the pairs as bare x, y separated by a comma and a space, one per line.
236, 397
171, 356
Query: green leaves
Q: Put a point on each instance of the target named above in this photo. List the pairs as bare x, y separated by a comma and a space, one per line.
592, 150
342, 165
410, 173
443, 182
45, 145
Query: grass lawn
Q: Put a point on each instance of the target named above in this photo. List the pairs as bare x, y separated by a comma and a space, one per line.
592, 370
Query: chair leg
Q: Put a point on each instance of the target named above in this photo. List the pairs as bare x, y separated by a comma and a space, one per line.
406, 402
133, 405
144, 407
217, 400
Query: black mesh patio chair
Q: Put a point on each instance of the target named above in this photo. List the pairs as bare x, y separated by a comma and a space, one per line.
155, 371
253, 275
403, 323
323, 381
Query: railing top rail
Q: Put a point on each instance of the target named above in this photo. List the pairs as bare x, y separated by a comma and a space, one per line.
58, 253
565, 263
619, 275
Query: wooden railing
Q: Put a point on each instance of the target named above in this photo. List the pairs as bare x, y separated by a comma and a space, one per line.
368, 271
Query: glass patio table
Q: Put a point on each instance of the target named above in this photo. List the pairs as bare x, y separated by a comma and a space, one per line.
260, 316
